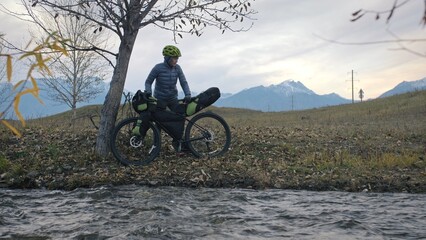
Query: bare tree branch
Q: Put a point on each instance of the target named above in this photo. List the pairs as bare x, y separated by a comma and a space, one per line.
397, 40
360, 13
424, 14
400, 42
374, 42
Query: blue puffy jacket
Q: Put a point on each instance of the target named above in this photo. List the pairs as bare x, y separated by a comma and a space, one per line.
166, 77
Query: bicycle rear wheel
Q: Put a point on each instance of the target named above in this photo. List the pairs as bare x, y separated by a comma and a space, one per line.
207, 135
130, 149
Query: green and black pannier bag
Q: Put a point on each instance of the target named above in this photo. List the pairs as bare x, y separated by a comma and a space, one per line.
202, 100
143, 101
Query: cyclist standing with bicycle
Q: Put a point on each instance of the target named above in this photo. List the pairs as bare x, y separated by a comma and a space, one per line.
166, 76
137, 140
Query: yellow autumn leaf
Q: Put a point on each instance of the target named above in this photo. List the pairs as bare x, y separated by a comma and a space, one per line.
18, 84
16, 109
31, 70
41, 63
35, 90
60, 49
26, 55
16, 102
39, 59
34, 82
46, 69
12, 128
39, 99
38, 48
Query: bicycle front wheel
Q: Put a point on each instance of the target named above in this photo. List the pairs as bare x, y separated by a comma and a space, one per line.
132, 150
207, 135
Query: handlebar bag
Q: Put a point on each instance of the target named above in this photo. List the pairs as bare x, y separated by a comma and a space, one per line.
143, 101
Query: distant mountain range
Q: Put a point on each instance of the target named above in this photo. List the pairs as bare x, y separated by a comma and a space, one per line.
293, 95
31, 108
286, 96
405, 87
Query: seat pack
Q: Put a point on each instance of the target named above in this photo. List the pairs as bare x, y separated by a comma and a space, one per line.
202, 100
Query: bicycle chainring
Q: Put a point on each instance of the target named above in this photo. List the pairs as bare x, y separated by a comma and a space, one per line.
135, 141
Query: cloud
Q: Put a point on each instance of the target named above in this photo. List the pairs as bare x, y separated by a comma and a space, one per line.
284, 44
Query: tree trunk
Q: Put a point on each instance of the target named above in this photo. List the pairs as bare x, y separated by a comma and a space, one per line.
113, 98
74, 112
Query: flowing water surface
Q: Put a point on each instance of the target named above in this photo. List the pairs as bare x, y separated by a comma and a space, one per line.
137, 212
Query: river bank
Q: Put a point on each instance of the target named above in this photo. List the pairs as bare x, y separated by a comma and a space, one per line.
269, 158
374, 146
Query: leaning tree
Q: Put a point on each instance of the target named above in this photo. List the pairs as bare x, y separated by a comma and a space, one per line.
126, 17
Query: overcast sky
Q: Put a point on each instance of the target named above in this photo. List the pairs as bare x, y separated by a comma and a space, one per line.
287, 42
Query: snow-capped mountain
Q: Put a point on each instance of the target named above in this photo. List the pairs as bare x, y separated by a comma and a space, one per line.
405, 87
288, 95
290, 87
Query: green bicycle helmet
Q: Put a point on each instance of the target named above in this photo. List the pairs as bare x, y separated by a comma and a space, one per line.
171, 51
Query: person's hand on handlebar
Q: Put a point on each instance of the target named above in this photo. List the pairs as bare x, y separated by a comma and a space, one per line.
187, 99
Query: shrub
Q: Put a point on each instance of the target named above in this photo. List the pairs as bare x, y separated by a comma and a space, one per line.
4, 164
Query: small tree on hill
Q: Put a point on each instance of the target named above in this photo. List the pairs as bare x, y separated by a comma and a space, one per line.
361, 94
79, 77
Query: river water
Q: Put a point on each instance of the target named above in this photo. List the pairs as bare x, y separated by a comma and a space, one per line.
137, 212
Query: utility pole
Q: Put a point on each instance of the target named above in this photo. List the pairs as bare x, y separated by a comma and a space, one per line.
352, 86
353, 89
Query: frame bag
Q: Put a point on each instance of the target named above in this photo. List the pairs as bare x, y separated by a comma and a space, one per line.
172, 123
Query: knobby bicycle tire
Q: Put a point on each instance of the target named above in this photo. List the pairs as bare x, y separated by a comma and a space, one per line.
208, 135
129, 149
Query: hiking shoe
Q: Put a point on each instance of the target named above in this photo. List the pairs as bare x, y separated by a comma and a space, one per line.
184, 148
176, 145
180, 147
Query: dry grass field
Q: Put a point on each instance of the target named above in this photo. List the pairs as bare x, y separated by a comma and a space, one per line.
377, 145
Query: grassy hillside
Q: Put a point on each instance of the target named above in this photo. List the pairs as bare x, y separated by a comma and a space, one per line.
406, 108
399, 111
378, 145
